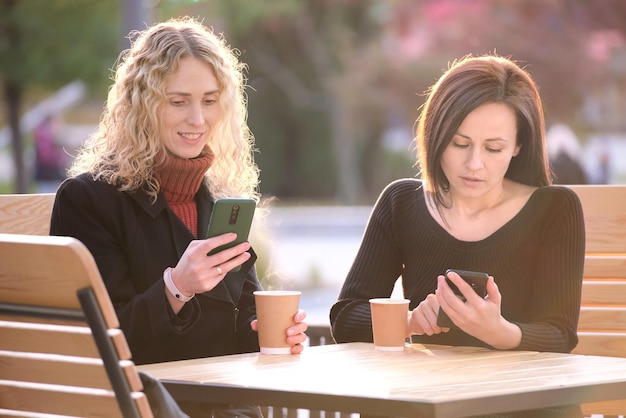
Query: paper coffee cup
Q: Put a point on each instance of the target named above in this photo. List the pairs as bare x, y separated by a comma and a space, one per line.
275, 310
389, 323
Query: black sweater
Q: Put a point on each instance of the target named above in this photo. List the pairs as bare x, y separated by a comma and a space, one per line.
536, 260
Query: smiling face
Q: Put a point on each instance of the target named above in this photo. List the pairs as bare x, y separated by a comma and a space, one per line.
191, 110
478, 157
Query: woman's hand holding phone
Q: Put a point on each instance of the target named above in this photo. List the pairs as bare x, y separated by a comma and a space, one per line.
231, 215
231, 255
196, 272
429, 318
478, 316
463, 284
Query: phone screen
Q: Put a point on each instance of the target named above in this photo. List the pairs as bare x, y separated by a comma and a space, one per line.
477, 280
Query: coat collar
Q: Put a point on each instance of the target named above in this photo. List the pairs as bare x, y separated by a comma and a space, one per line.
231, 287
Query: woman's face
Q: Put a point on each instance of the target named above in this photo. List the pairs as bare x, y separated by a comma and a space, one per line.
478, 157
191, 110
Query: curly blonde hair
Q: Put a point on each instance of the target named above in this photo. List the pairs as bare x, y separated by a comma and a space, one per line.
127, 146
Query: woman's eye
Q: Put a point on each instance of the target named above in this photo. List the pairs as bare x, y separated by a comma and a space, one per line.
210, 101
177, 102
456, 144
494, 150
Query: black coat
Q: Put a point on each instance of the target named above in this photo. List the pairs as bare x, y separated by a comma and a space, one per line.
133, 242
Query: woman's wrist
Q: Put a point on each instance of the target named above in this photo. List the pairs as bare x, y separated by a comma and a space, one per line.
172, 289
508, 338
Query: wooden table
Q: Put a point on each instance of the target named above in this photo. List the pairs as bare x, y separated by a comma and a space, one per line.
423, 380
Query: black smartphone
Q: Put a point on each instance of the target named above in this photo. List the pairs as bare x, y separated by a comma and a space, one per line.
231, 215
477, 280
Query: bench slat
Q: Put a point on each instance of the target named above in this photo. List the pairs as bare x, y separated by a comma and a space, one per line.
53, 369
604, 292
63, 370
605, 217
57, 339
605, 266
62, 400
612, 344
609, 408
46, 338
602, 318
26, 213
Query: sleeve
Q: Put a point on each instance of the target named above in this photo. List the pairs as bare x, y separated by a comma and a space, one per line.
557, 278
377, 266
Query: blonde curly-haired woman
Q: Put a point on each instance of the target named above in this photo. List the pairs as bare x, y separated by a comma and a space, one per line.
173, 138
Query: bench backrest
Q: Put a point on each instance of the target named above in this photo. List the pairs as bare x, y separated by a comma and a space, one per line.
26, 213
602, 323
61, 350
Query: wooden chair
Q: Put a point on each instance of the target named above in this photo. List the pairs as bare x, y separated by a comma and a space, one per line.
602, 323
26, 213
61, 350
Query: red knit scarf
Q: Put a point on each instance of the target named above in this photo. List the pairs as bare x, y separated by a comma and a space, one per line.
180, 180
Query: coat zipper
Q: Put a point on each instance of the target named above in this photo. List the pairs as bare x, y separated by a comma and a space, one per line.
236, 315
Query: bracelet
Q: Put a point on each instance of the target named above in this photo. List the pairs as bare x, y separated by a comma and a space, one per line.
169, 283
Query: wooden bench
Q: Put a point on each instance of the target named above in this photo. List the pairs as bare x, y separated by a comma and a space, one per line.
602, 323
26, 213
61, 350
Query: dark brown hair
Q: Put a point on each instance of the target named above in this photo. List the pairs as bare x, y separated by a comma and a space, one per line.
469, 83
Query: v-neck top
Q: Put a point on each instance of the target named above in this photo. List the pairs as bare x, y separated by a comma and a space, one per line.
536, 259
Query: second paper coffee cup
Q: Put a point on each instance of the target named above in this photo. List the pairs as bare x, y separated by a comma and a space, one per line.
389, 323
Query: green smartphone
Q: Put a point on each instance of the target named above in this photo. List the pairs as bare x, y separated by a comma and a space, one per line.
231, 215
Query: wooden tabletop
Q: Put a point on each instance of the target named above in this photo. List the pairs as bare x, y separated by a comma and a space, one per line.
423, 380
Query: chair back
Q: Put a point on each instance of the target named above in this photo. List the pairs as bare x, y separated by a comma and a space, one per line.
61, 350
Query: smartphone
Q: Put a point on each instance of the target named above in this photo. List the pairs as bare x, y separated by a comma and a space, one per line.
231, 215
477, 280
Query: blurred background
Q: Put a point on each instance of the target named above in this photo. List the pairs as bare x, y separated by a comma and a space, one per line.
334, 90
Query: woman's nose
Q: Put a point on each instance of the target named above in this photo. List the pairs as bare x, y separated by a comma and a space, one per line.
195, 116
474, 160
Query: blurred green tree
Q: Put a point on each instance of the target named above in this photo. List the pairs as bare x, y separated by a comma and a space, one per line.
336, 85
318, 98
47, 44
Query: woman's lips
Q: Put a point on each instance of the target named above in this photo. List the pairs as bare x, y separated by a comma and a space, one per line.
191, 138
471, 181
